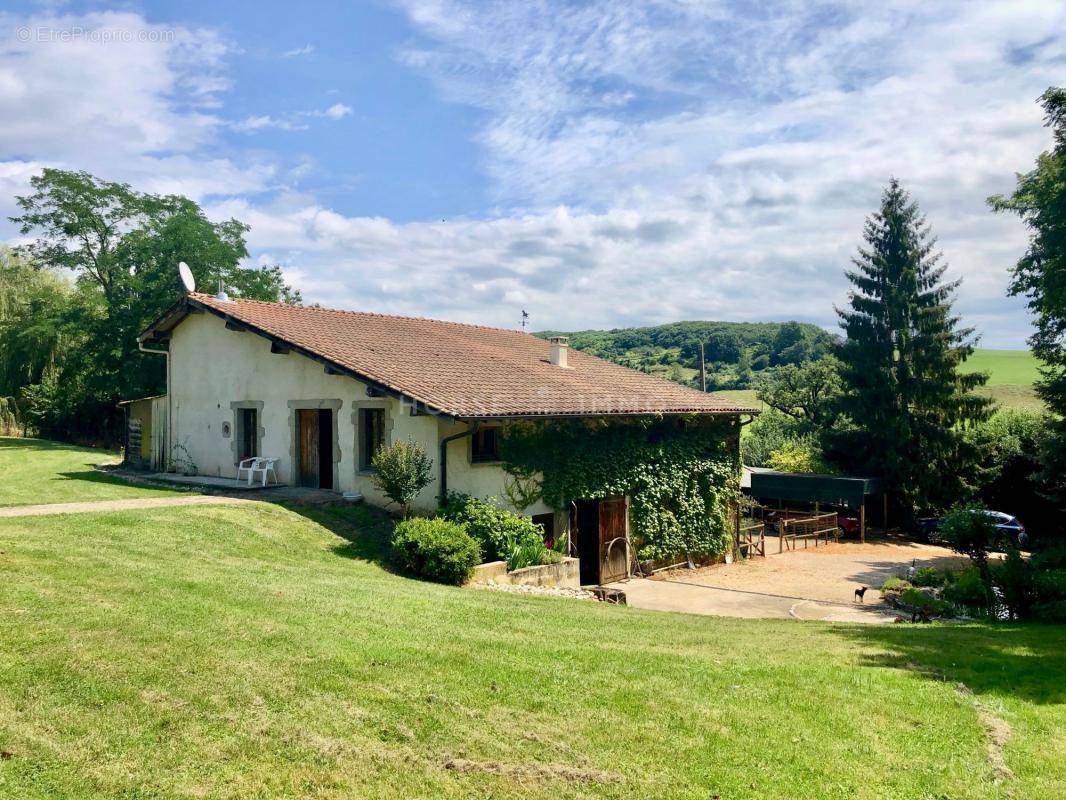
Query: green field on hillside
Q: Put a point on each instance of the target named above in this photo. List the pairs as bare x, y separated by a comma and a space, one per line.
1007, 367
1010, 384
1012, 374
266, 652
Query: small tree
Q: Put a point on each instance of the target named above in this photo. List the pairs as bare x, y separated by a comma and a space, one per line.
401, 472
972, 534
809, 392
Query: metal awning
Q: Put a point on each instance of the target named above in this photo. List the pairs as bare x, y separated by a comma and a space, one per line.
813, 488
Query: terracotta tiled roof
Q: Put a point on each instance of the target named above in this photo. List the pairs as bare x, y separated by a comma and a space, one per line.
467, 371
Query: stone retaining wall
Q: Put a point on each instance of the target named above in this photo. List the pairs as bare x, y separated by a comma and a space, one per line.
565, 574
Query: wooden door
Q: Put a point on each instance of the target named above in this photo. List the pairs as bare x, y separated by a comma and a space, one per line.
614, 535
307, 436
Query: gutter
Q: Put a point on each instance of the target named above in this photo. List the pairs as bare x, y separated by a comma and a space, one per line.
165, 465
471, 429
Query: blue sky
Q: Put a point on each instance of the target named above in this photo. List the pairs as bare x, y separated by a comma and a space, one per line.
599, 164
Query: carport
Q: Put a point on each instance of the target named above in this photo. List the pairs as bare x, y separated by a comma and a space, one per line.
814, 490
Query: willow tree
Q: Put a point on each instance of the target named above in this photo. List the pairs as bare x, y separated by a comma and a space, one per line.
904, 396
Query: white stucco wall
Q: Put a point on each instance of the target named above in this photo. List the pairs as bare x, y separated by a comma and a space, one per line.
212, 368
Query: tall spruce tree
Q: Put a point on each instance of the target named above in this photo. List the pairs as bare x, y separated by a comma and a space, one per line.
904, 395
1040, 200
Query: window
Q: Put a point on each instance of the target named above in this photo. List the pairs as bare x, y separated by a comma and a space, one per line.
372, 431
247, 433
484, 445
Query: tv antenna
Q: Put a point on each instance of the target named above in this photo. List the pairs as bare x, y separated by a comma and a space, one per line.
525, 318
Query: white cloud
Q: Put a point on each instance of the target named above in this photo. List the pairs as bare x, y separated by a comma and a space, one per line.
291, 122
113, 94
336, 111
262, 122
763, 135
669, 160
306, 50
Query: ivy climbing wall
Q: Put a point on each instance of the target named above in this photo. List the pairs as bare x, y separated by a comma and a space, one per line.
680, 472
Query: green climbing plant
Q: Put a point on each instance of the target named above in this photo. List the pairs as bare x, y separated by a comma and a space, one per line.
680, 474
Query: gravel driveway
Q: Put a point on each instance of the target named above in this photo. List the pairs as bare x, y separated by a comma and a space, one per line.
816, 583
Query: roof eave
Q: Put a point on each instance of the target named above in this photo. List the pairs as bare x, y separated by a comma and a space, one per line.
720, 412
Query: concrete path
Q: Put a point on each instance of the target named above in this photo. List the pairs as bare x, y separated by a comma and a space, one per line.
694, 598
119, 505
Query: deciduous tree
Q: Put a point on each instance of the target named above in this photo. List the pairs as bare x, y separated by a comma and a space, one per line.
1040, 275
122, 247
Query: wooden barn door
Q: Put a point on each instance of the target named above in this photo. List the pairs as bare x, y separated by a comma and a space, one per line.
614, 531
307, 438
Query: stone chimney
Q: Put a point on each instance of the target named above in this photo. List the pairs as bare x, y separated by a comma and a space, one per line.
559, 347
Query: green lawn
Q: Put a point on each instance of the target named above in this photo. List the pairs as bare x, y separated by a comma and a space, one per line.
257, 652
38, 471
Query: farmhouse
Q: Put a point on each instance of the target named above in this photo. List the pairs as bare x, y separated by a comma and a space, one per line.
321, 390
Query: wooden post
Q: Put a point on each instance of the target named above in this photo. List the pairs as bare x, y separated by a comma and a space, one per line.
862, 522
736, 534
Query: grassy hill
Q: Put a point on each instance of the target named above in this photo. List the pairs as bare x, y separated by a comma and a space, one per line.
734, 352
1012, 375
270, 652
1007, 367
671, 351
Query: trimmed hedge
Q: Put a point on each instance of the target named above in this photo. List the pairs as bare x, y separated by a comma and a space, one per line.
435, 549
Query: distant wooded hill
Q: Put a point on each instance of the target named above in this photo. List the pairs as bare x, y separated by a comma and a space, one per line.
734, 351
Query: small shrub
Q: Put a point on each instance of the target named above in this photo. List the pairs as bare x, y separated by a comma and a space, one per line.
401, 471
1050, 612
1014, 579
966, 590
893, 587
929, 576
501, 534
1049, 594
1050, 559
973, 534
923, 603
435, 549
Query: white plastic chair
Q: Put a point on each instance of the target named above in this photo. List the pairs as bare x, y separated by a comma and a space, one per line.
257, 466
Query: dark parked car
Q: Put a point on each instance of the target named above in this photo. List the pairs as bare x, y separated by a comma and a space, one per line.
848, 522
1009, 530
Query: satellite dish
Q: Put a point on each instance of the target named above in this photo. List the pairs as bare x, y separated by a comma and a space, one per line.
187, 280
